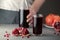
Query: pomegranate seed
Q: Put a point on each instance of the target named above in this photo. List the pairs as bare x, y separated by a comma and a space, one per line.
22, 36
27, 36
7, 39
4, 35
7, 35
6, 32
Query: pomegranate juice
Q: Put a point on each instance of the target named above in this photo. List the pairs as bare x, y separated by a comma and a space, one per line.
22, 18
37, 25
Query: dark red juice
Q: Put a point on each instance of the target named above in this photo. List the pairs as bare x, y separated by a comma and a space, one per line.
37, 25
22, 18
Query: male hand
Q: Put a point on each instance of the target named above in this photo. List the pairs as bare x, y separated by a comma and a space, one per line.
30, 16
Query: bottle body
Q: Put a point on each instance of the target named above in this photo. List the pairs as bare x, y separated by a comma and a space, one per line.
22, 18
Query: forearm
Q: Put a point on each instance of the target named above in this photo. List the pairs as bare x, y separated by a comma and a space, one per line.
37, 4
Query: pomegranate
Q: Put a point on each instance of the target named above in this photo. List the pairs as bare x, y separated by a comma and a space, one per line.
57, 27
15, 32
49, 19
25, 31
56, 19
20, 31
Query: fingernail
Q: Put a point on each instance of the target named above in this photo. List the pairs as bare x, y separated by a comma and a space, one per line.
27, 20
27, 17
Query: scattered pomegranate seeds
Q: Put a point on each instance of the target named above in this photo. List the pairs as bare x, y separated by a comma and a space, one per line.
7, 35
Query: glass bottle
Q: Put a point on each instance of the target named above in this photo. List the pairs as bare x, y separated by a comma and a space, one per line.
23, 12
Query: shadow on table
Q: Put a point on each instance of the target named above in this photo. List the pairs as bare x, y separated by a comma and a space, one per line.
46, 35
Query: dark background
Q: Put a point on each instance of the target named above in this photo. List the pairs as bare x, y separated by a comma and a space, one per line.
50, 6
11, 17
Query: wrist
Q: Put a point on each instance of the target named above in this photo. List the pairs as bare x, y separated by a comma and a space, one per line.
33, 11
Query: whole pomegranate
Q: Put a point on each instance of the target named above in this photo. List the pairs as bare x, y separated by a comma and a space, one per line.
51, 19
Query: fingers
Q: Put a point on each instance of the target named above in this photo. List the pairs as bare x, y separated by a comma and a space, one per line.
29, 15
31, 22
29, 19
